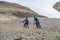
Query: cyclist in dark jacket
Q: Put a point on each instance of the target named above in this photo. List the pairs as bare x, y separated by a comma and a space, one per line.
36, 20
26, 22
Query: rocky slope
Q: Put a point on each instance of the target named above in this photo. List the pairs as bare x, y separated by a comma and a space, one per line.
10, 30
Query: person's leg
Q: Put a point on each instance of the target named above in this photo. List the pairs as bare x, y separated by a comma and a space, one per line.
27, 25
38, 25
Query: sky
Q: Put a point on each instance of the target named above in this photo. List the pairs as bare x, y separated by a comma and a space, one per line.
42, 7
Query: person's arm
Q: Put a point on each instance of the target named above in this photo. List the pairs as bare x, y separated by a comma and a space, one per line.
23, 21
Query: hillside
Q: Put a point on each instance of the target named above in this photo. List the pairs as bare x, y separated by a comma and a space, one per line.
57, 6
14, 10
10, 30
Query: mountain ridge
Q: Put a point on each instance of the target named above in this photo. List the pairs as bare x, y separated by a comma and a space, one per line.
17, 10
